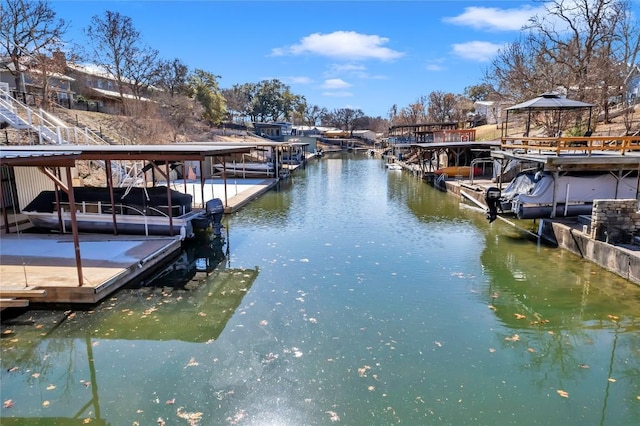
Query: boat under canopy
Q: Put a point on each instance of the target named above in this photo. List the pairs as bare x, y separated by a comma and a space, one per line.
534, 195
246, 169
140, 211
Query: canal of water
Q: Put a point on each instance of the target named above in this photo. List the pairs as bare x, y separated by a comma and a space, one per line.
351, 295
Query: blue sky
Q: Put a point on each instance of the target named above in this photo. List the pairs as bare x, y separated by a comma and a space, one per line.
338, 54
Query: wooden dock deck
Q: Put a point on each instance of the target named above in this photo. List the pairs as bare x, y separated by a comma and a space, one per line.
41, 268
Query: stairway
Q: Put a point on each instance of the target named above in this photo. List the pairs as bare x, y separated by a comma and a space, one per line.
52, 130
48, 128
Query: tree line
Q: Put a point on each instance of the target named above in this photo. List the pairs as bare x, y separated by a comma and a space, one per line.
586, 48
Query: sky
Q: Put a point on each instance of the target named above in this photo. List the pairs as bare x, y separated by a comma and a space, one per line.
367, 55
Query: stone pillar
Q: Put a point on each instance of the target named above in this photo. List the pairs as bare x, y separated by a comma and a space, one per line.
615, 221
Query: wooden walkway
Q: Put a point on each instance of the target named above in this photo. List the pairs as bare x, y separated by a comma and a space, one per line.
40, 268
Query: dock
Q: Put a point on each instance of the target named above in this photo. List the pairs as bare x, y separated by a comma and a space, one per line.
41, 268
567, 233
238, 192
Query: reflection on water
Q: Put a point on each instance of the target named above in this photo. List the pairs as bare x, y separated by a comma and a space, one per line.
349, 295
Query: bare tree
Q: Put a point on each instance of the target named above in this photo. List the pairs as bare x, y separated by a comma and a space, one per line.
627, 49
313, 114
377, 124
115, 46
343, 118
141, 71
393, 114
179, 111
415, 112
45, 68
521, 71
171, 77
442, 106
239, 98
174, 104
581, 37
28, 29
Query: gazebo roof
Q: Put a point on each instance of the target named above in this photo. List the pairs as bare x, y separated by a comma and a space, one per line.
549, 101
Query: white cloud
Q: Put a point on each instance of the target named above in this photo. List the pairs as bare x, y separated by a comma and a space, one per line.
352, 71
298, 80
335, 83
493, 18
342, 45
338, 94
434, 67
346, 68
481, 51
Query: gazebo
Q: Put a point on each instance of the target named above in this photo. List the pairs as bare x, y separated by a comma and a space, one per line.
549, 101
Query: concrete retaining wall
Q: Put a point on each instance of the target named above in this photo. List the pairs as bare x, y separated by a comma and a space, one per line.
621, 260
605, 242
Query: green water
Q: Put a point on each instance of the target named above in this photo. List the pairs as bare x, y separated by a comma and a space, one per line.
351, 295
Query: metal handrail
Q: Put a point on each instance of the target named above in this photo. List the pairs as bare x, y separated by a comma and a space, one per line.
48, 126
477, 161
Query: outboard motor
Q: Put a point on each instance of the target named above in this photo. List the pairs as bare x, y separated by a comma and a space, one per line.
492, 198
215, 211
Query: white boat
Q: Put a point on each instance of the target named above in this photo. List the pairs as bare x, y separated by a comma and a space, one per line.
394, 166
532, 196
137, 211
247, 169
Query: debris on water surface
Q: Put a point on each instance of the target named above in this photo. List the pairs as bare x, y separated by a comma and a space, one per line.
562, 393
333, 416
362, 371
237, 417
513, 338
192, 363
193, 418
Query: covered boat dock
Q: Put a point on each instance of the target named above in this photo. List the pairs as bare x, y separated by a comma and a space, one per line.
75, 268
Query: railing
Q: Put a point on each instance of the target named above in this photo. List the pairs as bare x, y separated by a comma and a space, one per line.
100, 208
566, 145
48, 127
475, 162
97, 209
126, 172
